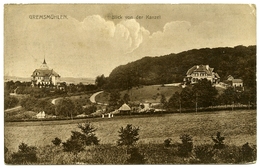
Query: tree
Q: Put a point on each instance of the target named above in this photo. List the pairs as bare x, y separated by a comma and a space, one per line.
78, 109
89, 131
114, 100
205, 93
66, 108
56, 141
128, 135
10, 101
78, 140
186, 147
175, 101
126, 98
219, 141
100, 81
26, 154
163, 100
187, 98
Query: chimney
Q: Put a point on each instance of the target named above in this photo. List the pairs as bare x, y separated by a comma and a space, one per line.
207, 67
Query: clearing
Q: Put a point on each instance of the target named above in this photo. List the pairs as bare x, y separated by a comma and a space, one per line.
238, 127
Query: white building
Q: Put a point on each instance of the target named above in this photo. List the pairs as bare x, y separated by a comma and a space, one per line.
44, 76
199, 72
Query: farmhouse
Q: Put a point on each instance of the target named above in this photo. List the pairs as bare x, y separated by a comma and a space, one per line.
44, 76
198, 72
40, 115
124, 108
237, 83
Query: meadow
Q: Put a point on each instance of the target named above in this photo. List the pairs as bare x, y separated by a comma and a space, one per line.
151, 93
238, 127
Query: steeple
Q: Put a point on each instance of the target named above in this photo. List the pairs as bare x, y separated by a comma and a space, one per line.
44, 64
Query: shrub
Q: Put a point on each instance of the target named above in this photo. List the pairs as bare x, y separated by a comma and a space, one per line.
79, 140
219, 144
186, 146
26, 154
89, 131
204, 153
135, 156
56, 141
247, 153
73, 145
167, 142
128, 135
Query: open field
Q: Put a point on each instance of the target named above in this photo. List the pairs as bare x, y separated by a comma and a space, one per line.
150, 93
144, 93
238, 127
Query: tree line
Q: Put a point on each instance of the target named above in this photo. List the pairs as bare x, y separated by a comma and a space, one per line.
240, 62
203, 94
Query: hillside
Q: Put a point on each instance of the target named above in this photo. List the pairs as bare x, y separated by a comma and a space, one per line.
240, 62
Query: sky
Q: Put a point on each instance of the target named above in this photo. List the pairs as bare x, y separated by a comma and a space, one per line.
92, 40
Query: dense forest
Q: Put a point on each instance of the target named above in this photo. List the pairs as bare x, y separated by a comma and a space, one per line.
240, 62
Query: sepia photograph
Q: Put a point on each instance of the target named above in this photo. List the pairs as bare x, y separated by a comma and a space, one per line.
129, 84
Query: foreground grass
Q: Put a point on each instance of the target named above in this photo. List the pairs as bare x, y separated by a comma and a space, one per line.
238, 127
152, 154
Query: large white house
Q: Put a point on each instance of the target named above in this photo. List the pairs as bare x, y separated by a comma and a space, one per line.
198, 72
44, 76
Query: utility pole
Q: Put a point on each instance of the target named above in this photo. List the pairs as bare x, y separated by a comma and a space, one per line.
180, 103
196, 103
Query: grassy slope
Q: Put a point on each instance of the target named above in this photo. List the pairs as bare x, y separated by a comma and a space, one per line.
142, 94
150, 93
238, 127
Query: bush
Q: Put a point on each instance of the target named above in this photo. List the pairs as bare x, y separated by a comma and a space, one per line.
186, 146
56, 141
135, 156
26, 154
73, 145
247, 153
167, 142
89, 131
204, 153
128, 135
79, 140
219, 144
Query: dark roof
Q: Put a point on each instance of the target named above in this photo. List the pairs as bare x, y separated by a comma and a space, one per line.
44, 72
216, 74
200, 68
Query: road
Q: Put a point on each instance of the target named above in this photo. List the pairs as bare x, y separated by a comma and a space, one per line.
92, 98
13, 109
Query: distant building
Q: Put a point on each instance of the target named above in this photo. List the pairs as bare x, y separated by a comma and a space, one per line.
230, 78
199, 72
44, 76
237, 83
40, 115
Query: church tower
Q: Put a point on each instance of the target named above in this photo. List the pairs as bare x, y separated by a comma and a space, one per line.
44, 65
45, 77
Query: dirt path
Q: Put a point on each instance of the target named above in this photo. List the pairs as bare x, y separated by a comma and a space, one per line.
92, 98
13, 109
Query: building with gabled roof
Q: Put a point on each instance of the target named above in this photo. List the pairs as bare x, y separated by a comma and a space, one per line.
44, 76
198, 72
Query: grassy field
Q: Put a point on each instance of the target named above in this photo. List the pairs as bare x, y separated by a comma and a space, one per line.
150, 93
238, 127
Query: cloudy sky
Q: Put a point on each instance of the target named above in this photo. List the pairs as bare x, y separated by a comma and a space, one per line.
89, 42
